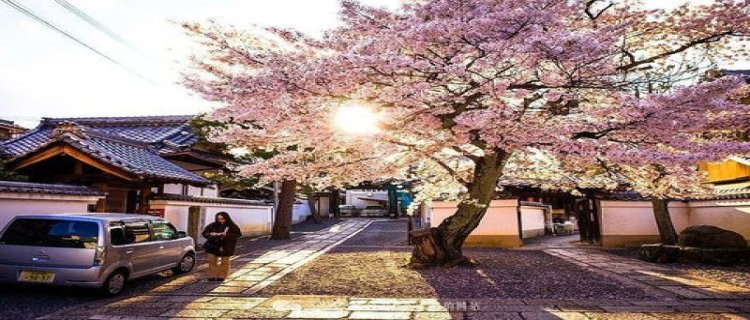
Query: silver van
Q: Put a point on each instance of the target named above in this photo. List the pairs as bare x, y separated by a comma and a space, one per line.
99, 250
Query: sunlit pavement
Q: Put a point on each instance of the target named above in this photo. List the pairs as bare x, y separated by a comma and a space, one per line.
189, 297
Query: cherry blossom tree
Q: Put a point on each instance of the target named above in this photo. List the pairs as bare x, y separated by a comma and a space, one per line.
457, 83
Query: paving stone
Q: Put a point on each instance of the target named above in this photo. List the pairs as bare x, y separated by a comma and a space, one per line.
377, 315
242, 300
217, 306
393, 301
553, 316
704, 309
130, 311
577, 307
433, 316
685, 292
256, 314
638, 309
194, 313
318, 314
384, 307
305, 302
620, 316
669, 303
689, 316
185, 298
487, 316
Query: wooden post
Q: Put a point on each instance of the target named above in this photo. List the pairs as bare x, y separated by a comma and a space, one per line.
194, 223
143, 198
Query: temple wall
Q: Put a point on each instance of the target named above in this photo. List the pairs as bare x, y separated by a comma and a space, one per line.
632, 223
532, 221
498, 228
252, 219
17, 204
727, 214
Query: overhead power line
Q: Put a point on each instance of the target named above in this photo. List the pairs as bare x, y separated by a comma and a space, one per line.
13, 4
96, 24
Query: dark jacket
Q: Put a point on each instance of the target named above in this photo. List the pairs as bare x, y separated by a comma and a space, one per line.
227, 243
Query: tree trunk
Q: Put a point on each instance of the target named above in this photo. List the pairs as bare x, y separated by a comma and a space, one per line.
335, 203
442, 245
313, 210
667, 232
282, 225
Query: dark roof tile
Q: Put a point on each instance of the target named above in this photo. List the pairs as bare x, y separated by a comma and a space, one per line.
133, 144
48, 188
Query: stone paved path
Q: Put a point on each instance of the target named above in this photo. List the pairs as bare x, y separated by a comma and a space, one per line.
186, 297
664, 282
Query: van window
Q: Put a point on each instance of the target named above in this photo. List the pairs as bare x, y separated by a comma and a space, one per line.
164, 231
137, 232
117, 234
52, 233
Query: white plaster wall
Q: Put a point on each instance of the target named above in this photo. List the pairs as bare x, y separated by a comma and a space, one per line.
352, 197
173, 188
501, 217
12, 205
176, 214
301, 212
194, 191
252, 219
532, 218
209, 191
637, 217
727, 214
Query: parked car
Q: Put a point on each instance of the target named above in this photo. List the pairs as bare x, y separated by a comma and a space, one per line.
374, 211
97, 250
348, 210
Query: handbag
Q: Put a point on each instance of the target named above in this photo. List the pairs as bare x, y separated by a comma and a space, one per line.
212, 245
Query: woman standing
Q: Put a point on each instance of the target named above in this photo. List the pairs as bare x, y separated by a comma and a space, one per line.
221, 239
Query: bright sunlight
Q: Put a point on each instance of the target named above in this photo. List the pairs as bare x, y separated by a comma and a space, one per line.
356, 119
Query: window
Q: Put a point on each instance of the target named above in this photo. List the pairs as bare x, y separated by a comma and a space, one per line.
52, 233
136, 232
117, 234
164, 231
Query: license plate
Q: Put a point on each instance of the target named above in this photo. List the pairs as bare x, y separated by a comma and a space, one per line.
36, 276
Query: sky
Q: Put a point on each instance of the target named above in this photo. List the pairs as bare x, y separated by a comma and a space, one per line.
45, 74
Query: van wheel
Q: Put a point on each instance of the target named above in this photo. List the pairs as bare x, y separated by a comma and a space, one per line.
186, 264
115, 283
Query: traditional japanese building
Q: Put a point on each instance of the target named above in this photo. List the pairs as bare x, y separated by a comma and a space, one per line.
8, 129
129, 158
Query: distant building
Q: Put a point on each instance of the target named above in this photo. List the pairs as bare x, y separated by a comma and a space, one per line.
9, 130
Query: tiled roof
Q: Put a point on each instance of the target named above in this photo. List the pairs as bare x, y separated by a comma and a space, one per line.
200, 199
10, 125
46, 188
133, 144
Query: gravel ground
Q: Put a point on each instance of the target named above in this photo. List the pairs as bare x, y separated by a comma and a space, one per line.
28, 302
738, 275
358, 267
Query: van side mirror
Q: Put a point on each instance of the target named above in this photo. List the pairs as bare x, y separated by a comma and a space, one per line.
181, 234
